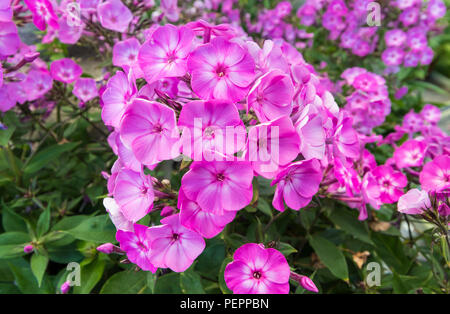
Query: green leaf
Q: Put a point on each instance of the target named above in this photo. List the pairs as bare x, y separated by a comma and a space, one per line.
286, 249
330, 255
38, 265
390, 249
26, 281
90, 276
168, 284
190, 282
125, 282
264, 207
46, 156
350, 224
43, 223
151, 282
12, 221
222, 285
95, 229
209, 262
5, 135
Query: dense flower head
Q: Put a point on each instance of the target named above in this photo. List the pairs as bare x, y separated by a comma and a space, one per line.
257, 270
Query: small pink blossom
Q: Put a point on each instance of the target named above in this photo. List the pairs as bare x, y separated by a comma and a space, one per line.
257, 270
297, 184
174, 246
414, 202
137, 246
85, 89
207, 224
149, 130
114, 15
219, 186
119, 94
221, 70
271, 96
43, 13
435, 175
125, 54
165, 54
391, 183
65, 70
133, 192
272, 145
410, 154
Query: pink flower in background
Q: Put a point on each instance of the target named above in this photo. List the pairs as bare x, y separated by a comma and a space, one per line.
271, 96
297, 184
414, 202
435, 175
114, 15
6, 12
38, 83
257, 270
174, 246
345, 139
431, 114
370, 191
1, 75
410, 154
207, 224
165, 54
391, 183
312, 134
436, 9
149, 129
68, 34
7, 97
9, 39
170, 9
125, 54
219, 186
85, 89
272, 145
134, 194
65, 70
126, 155
395, 38
119, 94
116, 215
43, 13
392, 56
221, 70
206, 125
137, 246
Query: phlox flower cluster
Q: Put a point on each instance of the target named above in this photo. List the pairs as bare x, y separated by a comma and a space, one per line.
402, 36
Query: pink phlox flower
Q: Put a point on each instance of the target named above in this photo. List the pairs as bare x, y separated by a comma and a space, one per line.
219, 186
297, 184
149, 129
137, 246
257, 270
173, 245
133, 192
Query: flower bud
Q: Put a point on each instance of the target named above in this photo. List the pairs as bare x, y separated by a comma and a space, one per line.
308, 284
444, 210
28, 248
109, 248
65, 287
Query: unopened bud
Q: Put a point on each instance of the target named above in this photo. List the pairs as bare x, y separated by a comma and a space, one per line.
28, 248
109, 248
65, 287
167, 211
444, 210
308, 284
